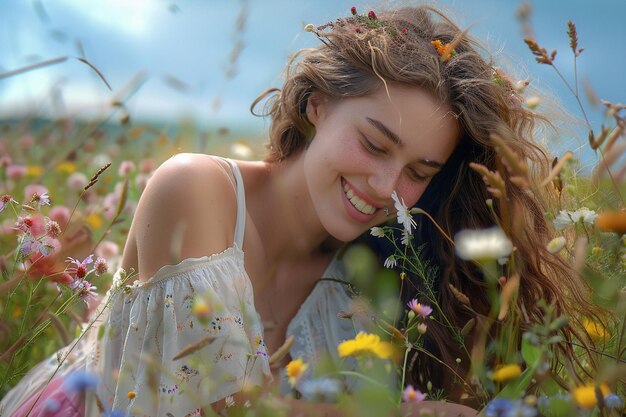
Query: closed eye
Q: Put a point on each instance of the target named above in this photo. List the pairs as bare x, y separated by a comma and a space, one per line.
417, 177
371, 147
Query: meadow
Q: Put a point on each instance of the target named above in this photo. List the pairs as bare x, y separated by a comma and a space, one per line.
69, 188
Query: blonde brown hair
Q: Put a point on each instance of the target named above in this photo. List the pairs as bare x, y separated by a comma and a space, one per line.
355, 59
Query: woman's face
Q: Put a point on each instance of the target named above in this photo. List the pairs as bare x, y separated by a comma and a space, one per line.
366, 147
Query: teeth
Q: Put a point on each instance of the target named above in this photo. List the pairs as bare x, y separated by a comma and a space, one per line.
358, 202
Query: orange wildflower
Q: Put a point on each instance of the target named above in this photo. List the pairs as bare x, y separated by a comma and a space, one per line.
612, 221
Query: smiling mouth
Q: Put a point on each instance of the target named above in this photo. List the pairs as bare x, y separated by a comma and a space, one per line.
357, 201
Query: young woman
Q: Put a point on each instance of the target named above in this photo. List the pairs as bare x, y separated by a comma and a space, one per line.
382, 105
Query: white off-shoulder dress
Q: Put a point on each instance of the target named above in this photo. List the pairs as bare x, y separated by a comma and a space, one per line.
139, 329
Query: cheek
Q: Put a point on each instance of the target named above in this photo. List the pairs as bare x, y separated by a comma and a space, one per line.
411, 191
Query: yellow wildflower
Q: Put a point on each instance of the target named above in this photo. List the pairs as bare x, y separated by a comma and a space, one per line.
595, 330
365, 344
94, 220
295, 369
201, 308
66, 167
131, 394
506, 372
34, 170
585, 395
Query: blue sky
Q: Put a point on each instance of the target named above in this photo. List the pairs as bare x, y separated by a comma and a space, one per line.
191, 40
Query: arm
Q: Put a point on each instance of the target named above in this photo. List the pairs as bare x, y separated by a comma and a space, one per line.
188, 210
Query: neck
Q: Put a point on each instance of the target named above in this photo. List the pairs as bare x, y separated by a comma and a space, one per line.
284, 215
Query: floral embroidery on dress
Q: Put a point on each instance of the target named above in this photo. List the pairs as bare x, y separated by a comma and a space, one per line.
261, 348
185, 373
168, 389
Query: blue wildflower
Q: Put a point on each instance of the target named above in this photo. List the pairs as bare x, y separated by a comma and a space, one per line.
500, 407
51, 405
613, 402
115, 413
81, 381
320, 389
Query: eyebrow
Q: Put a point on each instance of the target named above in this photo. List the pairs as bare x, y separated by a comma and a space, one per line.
396, 139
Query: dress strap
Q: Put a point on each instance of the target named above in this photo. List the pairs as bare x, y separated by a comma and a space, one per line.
241, 204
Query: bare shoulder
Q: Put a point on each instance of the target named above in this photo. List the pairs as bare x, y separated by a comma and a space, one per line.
187, 210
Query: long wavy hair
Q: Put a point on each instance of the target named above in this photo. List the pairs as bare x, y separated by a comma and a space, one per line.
357, 56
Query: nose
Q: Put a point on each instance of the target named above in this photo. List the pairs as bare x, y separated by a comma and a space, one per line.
384, 180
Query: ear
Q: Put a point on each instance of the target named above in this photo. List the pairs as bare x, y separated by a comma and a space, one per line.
316, 107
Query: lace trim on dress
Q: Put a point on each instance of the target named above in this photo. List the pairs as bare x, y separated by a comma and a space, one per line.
168, 271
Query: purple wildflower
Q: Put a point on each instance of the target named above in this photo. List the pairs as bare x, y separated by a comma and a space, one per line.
421, 310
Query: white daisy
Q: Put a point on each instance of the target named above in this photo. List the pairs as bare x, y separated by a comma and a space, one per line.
482, 244
566, 218
404, 214
377, 232
390, 262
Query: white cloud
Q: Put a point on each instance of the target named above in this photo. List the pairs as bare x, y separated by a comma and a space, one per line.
132, 17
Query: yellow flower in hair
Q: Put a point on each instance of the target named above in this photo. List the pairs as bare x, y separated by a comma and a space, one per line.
506, 372
439, 46
295, 369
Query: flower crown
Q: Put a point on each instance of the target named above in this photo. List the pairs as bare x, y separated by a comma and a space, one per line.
370, 21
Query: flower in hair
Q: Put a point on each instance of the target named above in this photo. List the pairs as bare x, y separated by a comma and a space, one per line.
443, 49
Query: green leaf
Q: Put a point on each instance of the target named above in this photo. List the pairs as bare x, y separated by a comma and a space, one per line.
517, 387
530, 353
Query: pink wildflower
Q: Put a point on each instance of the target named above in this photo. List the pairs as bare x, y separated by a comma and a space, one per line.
5, 160
372, 15
107, 250
80, 268
60, 214
147, 166
31, 189
52, 228
40, 199
126, 167
85, 290
421, 310
24, 224
4, 200
100, 266
411, 395
15, 172
77, 181
353, 10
